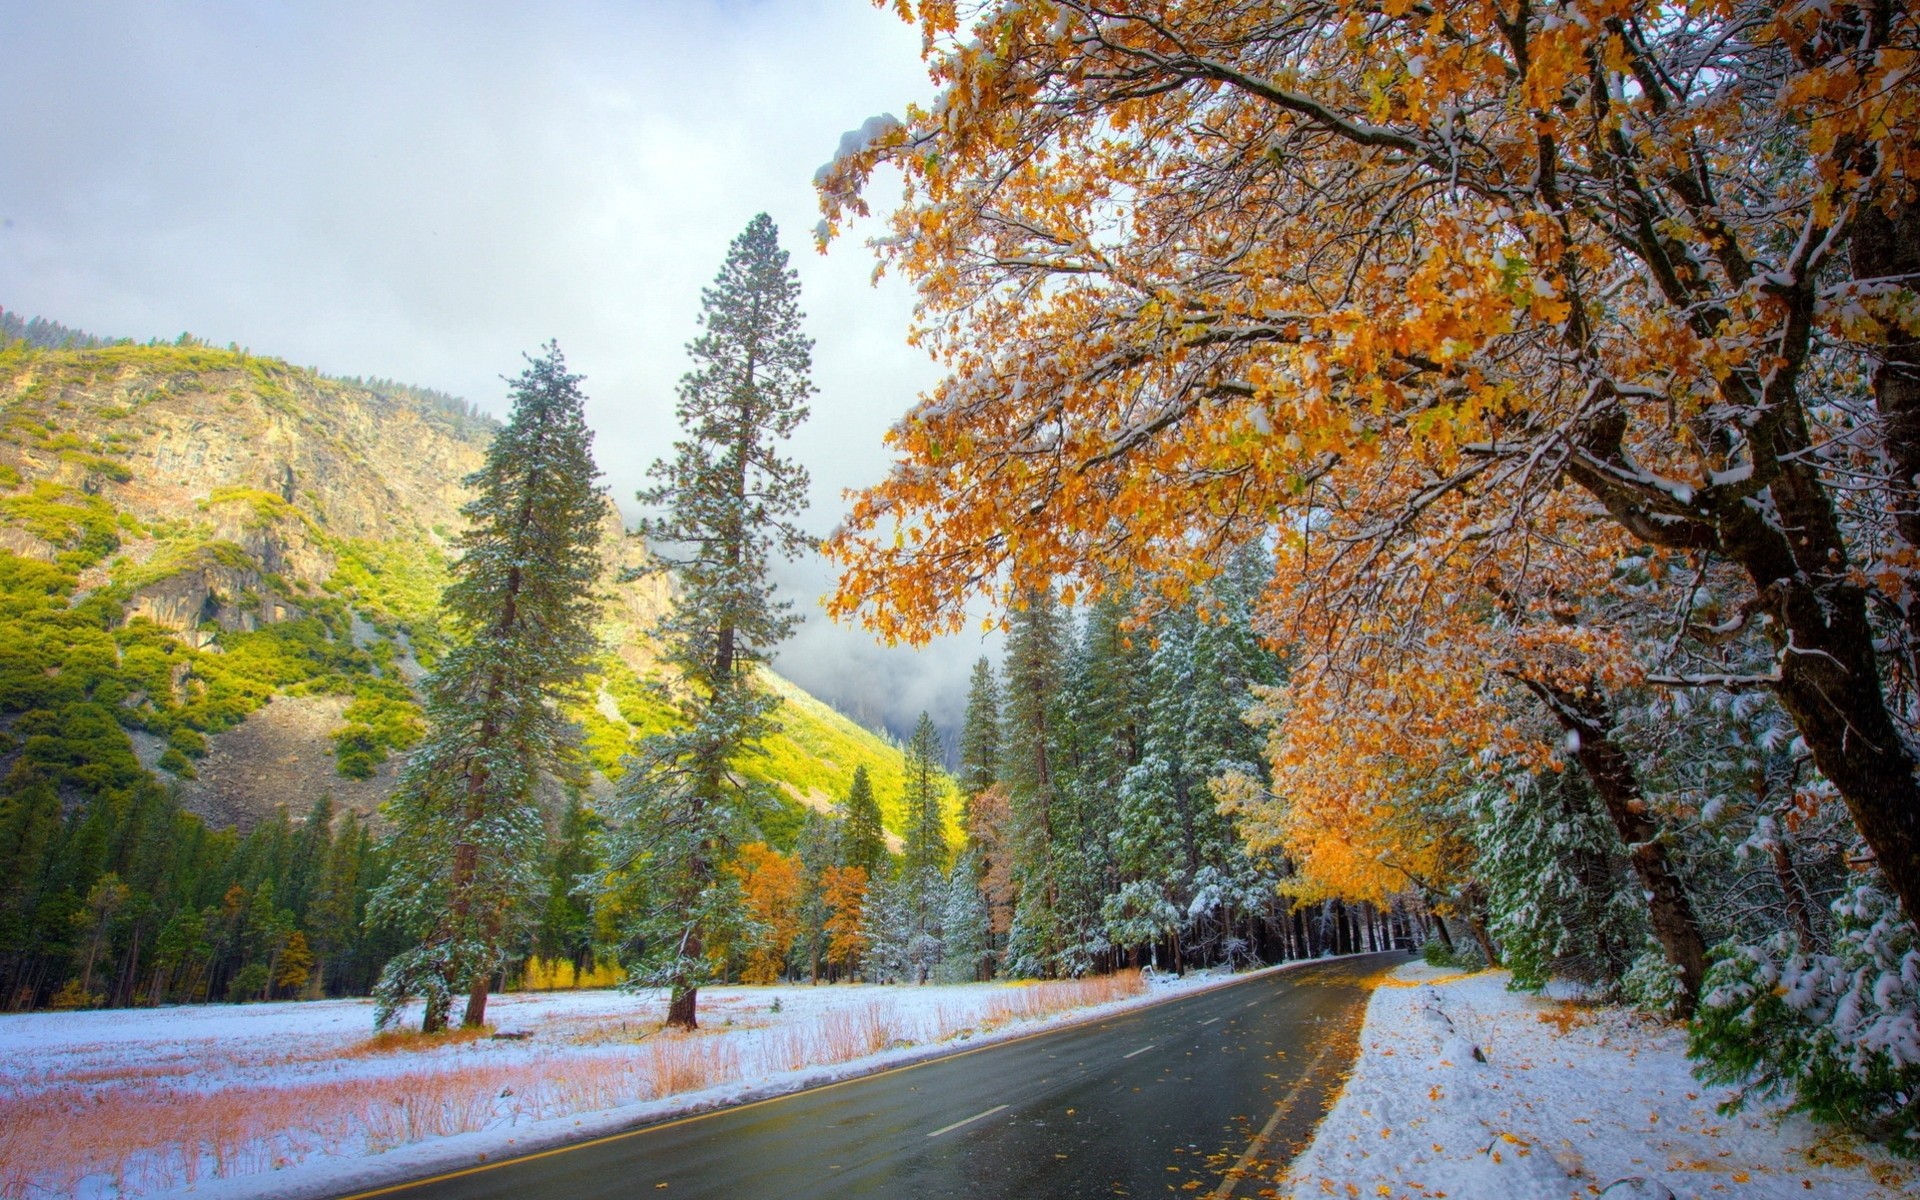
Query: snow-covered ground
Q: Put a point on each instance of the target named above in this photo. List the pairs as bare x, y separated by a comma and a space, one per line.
1569, 1101
297, 1099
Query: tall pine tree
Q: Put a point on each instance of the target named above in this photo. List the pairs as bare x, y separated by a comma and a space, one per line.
980, 735
863, 843
728, 502
468, 832
1038, 645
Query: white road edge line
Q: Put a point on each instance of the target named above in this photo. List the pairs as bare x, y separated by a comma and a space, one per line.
970, 1120
1141, 1050
1238, 1171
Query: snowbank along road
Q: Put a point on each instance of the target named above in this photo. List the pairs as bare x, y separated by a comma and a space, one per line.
1205, 1095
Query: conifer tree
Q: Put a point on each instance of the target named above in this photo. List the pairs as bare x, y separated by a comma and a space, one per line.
468, 832
863, 843
1037, 645
817, 849
728, 503
926, 840
980, 735
963, 924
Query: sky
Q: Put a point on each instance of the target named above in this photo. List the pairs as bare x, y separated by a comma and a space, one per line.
424, 191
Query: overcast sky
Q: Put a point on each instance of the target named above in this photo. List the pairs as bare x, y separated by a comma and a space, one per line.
424, 191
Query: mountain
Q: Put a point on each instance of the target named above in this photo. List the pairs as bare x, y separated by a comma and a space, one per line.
221, 573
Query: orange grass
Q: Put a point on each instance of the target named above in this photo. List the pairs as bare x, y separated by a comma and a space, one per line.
145, 1135
401, 1041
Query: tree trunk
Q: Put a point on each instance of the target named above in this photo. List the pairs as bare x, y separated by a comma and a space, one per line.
435, 1018
1586, 718
476, 1014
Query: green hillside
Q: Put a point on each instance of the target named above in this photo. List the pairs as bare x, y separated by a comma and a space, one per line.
189, 534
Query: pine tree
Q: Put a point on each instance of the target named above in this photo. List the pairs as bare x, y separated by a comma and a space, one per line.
863, 843
818, 849
926, 840
963, 924
980, 735
729, 502
923, 873
888, 932
468, 832
1037, 646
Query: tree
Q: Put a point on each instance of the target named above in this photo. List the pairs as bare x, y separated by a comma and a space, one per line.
846, 897
964, 923
980, 735
1385, 282
1037, 651
926, 839
770, 887
923, 875
468, 832
863, 843
728, 503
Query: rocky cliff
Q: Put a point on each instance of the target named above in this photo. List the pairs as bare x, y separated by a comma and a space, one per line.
241, 560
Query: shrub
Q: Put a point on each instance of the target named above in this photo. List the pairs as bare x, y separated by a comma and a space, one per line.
249, 983
1838, 1032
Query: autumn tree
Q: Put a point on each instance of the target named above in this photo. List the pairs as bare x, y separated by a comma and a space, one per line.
1199, 269
467, 829
728, 504
770, 892
845, 889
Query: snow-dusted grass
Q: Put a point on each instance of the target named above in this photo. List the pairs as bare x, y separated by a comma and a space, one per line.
139, 1102
1571, 1101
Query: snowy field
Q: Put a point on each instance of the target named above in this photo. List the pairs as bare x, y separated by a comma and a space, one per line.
1570, 1101
299, 1099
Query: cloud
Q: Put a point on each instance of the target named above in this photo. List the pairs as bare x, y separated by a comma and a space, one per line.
424, 191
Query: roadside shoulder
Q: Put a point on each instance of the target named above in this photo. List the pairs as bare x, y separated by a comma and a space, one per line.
1471, 1090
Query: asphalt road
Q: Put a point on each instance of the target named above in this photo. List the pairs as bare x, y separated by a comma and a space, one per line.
1206, 1095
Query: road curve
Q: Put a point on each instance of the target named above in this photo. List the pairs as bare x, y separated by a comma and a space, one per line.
1204, 1095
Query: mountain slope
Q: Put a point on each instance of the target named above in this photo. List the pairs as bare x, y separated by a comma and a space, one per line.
223, 572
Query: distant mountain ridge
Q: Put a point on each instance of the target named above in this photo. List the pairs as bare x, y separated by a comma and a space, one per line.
223, 571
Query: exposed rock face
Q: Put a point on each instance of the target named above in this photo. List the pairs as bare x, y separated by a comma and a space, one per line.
244, 479
282, 755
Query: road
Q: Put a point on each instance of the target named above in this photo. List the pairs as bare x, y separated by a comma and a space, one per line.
1205, 1095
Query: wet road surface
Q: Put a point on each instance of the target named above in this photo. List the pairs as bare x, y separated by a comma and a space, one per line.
1206, 1095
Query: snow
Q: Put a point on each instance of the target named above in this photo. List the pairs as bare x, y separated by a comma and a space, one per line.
1571, 1101
855, 142
320, 1109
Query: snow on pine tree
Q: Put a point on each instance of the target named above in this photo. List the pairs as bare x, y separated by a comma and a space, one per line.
468, 835
1037, 645
923, 872
1175, 850
1558, 885
728, 504
964, 923
887, 928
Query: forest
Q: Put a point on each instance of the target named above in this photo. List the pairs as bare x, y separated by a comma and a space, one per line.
1564, 358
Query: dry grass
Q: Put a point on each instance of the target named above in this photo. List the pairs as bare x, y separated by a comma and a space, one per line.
407, 1041
143, 1134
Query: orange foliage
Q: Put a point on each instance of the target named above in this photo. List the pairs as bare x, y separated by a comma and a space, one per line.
845, 889
770, 884
1382, 280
